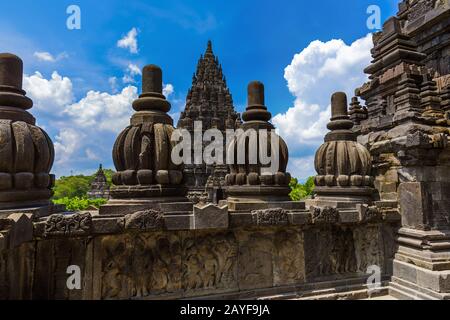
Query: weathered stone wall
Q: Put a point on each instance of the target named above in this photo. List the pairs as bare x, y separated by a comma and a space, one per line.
428, 23
228, 263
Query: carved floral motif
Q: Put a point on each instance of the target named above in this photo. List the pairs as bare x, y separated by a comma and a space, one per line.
324, 215
79, 224
270, 217
143, 220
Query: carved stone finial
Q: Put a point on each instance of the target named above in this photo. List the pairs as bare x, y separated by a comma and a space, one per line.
142, 151
256, 110
356, 112
339, 106
341, 162
152, 104
26, 153
244, 177
13, 101
340, 123
152, 79
11, 71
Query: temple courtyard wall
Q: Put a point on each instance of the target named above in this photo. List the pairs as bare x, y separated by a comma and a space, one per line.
283, 255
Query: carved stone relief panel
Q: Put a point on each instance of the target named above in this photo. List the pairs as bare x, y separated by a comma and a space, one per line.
329, 251
139, 265
210, 261
289, 261
369, 251
256, 253
114, 258
420, 7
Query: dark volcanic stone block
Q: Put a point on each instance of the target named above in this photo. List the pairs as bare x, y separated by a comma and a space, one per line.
415, 205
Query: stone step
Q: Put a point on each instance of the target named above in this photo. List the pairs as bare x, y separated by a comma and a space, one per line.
404, 290
350, 292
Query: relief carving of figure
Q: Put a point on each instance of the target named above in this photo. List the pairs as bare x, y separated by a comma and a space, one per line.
255, 261
289, 256
114, 267
368, 251
209, 262
141, 268
163, 264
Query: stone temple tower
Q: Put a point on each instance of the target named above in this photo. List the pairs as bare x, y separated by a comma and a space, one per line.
99, 186
209, 101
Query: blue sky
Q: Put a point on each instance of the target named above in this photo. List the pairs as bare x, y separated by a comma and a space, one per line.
255, 40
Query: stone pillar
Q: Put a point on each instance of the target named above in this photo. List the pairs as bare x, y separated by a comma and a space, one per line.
146, 175
26, 152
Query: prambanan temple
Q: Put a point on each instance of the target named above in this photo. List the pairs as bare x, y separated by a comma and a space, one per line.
377, 225
210, 102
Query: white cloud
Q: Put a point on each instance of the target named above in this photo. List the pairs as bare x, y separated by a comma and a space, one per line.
44, 56
84, 130
129, 41
48, 57
49, 96
126, 79
101, 111
168, 90
134, 69
91, 155
131, 72
113, 83
314, 74
67, 143
301, 168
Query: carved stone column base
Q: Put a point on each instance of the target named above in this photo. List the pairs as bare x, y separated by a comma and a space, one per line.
345, 194
24, 198
257, 193
422, 264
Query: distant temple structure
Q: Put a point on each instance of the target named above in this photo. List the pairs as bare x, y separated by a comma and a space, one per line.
99, 186
210, 102
381, 209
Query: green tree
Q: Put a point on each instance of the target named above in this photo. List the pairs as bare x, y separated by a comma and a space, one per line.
77, 204
71, 187
301, 191
77, 186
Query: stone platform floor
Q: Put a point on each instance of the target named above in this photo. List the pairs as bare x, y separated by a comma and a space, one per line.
383, 298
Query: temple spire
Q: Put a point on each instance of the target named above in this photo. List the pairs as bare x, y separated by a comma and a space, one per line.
209, 51
209, 101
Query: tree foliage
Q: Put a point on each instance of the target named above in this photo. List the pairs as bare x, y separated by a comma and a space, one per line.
72, 191
77, 204
301, 191
76, 186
